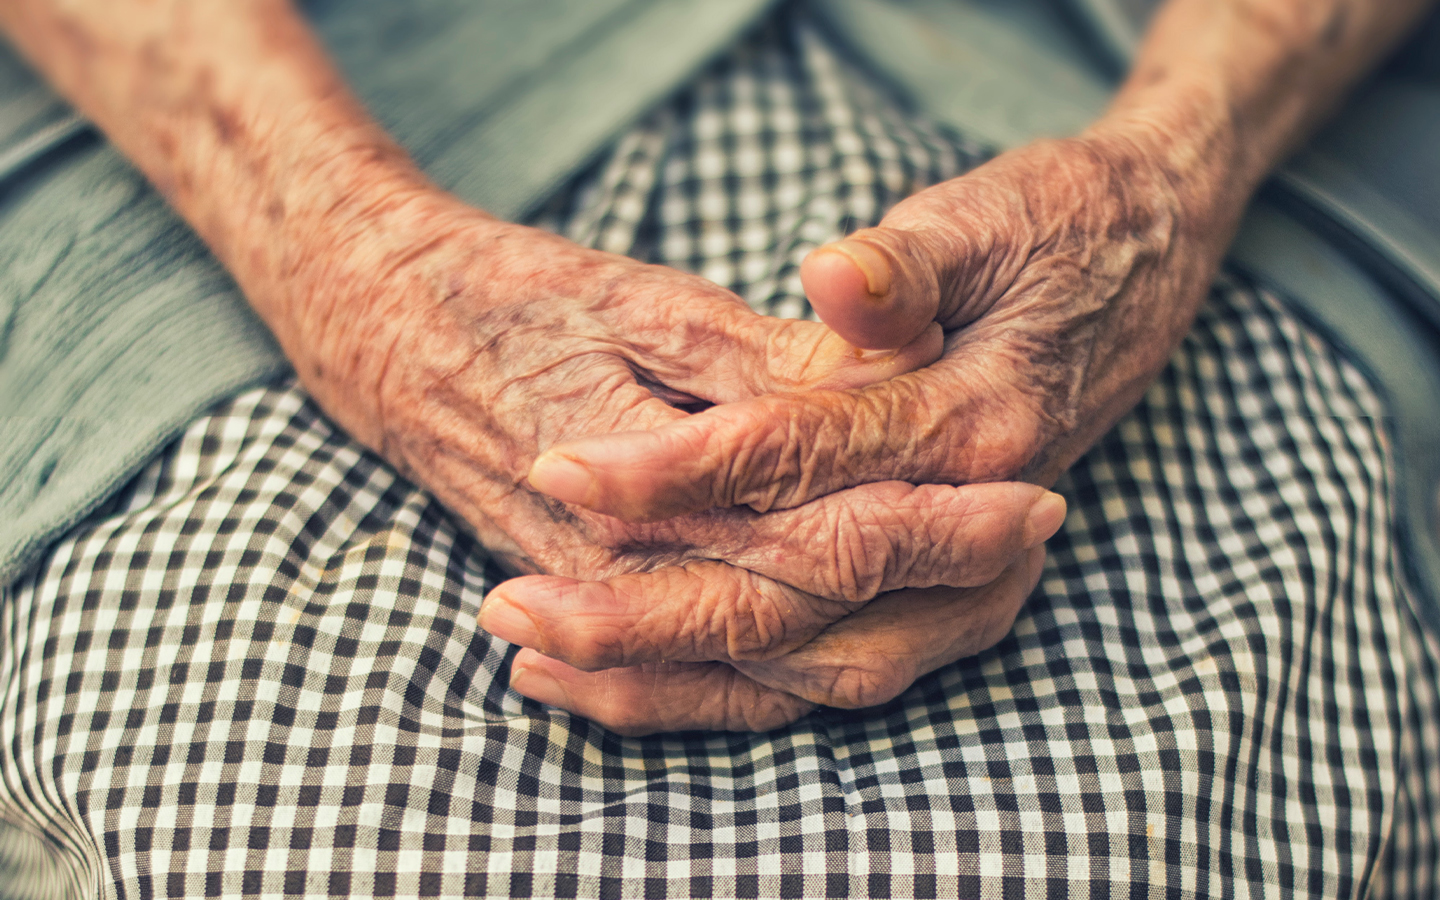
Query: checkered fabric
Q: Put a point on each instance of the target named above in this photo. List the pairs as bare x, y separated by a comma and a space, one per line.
256, 671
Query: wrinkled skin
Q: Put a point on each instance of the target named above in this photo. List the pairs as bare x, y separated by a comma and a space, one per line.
1063, 275
864, 659
463, 358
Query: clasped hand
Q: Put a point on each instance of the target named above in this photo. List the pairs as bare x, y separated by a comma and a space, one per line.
733, 518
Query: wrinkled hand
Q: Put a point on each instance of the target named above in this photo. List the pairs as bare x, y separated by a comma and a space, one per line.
462, 355
1064, 274
658, 652
865, 658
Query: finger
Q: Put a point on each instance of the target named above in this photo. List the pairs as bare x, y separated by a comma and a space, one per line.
782, 451
723, 352
821, 567
851, 666
657, 698
873, 288
870, 657
701, 611
858, 543
943, 255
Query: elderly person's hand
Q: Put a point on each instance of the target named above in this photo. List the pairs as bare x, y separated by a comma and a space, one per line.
460, 347
461, 357
1063, 273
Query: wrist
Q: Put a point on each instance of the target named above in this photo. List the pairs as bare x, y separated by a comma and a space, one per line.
349, 250
369, 262
1183, 154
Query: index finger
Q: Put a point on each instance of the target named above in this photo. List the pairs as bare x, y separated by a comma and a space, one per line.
779, 451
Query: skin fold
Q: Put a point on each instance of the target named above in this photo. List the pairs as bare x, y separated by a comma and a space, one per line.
838, 523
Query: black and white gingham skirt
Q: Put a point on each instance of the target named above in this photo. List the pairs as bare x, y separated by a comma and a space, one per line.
257, 671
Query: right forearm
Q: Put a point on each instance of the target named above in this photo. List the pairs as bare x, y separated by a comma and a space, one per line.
234, 112
1223, 90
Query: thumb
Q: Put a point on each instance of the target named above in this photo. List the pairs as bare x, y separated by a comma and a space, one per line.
942, 255
718, 350
876, 288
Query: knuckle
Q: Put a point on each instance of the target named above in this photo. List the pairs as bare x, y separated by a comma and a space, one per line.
898, 429
869, 682
766, 619
770, 465
755, 632
598, 646
599, 638
976, 542
759, 709
858, 555
711, 611
784, 451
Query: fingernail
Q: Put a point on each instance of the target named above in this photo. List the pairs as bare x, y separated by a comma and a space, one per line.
871, 263
509, 622
539, 685
1045, 518
875, 355
562, 478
